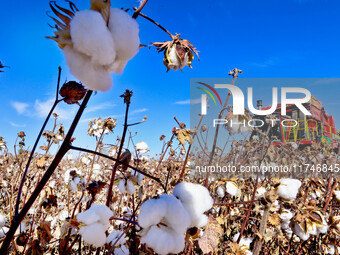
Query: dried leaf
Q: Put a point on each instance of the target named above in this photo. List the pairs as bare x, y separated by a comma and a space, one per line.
210, 239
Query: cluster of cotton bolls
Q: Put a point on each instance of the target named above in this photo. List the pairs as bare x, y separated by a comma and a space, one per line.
94, 223
230, 187
288, 188
165, 220
99, 49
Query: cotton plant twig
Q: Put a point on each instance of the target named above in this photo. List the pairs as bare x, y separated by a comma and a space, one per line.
140, 8
36, 144
118, 163
234, 73
156, 23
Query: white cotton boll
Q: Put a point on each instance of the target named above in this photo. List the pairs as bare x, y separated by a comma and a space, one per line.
300, 232
142, 148
117, 67
85, 160
151, 211
124, 30
3, 231
130, 187
232, 188
2, 220
93, 234
92, 76
104, 213
196, 200
96, 167
122, 250
176, 216
322, 228
163, 240
288, 188
260, 192
329, 249
220, 191
337, 195
245, 241
88, 217
91, 37
113, 236
286, 215
121, 185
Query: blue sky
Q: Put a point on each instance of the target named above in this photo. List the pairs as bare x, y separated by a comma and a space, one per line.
265, 38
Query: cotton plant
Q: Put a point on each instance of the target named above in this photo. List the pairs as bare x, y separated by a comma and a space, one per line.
244, 244
96, 42
93, 223
285, 216
142, 148
288, 188
238, 124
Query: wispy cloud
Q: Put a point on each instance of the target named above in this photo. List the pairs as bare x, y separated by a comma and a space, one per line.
16, 125
102, 106
20, 107
189, 101
42, 108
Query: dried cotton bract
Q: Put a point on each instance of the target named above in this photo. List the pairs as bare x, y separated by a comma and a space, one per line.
96, 221
96, 42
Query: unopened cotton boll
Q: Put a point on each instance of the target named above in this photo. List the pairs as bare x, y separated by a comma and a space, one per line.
288, 188
196, 200
232, 188
94, 77
91, 37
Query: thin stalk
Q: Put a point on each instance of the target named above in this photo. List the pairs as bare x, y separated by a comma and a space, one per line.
35, 146
109, 193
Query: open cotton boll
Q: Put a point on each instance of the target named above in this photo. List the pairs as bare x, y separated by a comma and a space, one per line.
91, 37
232, 188
3, 231
337, 195
163, 240
113, 236
93, 234
2, 220
288, 188
94, 77
124, 30
304, 235
130, 187
196, 200
260, 192
142, 147
220, 191
151, 211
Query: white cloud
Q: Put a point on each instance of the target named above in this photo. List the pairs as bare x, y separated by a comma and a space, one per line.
20, 107
102, 106
17, 125
42, 108
189, 101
